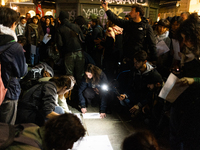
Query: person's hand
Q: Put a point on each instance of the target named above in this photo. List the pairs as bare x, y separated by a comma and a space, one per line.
134, 108
83, 110
185, 81
98, 41
121, 97
104, 5
103, 115
96, 91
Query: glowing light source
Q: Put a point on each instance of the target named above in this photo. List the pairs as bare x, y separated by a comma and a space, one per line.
32, 13
3, 3
48, 13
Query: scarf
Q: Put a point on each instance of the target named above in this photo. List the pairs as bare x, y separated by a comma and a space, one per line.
35, 27
162, 37
21, 28
7, 31
113, 31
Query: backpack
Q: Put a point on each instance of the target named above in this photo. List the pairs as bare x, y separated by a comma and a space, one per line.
3, 89
40, 70
10, 134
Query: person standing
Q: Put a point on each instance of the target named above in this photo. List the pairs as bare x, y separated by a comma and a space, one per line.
34, 37
139, 34
13, 64
69, 46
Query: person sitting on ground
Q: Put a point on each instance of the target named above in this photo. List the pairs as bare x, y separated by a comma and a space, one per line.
60, 132
39, 102
140, 140
133, 84
90, 89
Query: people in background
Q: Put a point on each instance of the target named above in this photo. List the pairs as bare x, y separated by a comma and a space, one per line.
21, 27
34, 38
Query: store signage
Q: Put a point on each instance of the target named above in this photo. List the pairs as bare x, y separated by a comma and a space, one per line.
123, 1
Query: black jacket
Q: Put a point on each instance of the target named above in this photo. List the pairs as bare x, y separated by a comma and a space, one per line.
39, 100
13, 65
84, 85
66, 37
134, 84
139, 36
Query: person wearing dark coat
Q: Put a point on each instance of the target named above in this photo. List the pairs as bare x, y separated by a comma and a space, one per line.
34, 38
39, 102
69, 46
90, 90
134, 83
13, 64
139, 34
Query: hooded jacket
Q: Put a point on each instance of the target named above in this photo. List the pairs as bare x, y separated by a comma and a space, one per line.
138, 36
66, 37
13, 64
134, 84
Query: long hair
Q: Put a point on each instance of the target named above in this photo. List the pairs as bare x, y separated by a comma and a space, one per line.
63, 81
95, 71
191, 29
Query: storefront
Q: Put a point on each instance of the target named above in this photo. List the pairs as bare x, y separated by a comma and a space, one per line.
88, 7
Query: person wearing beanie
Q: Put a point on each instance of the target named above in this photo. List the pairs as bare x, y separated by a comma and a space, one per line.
68, 39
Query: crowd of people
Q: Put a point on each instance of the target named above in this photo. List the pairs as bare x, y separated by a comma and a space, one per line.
132, 56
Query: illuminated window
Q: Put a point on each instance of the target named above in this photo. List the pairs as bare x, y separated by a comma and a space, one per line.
48, 13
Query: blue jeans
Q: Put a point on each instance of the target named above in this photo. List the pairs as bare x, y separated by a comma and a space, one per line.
59, 110
34, 58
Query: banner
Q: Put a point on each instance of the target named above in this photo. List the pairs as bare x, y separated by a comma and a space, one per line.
39, 10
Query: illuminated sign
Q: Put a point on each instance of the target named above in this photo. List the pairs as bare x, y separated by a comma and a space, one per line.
124, 1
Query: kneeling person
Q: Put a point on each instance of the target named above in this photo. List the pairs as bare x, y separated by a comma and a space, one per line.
39, 102
90, 89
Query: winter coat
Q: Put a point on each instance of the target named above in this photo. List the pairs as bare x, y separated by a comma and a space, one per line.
67, 39
37, 103
13, 65
84, 85
134, 84
34, 36
138, 36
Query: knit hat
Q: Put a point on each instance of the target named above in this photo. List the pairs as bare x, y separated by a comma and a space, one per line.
93, 16
154, 77
63, 15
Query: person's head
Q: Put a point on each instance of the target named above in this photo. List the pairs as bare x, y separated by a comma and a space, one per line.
63, 15
93, 73
189, 33
163, 26
175, 23
140, 59
52, 19
8, 17
21, 40
136, 11
94, 20
185, 15
110, 23
38, 15
35, 19
47, 21
141, 140
23, 20
63, 83
80, 20
62, 131
154, 80
28, 15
